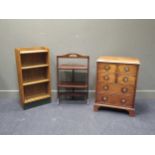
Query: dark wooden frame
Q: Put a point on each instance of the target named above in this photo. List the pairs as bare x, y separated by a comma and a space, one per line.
73, 85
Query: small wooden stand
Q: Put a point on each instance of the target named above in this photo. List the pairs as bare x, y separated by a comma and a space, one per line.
73, 84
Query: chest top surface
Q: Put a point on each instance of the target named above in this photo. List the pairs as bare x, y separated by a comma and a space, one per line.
119, 60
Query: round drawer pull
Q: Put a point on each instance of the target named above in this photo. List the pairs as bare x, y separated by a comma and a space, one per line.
126, 69
105, 98
106, 77
124, 90
123, 100
105, 87
125, 79
107, 67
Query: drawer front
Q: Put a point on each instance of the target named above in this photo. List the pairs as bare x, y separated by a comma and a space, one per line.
123, 79
114, 88
126, 90
105, 99
116, 100
127, 69
106, 88
106, 78
106, 67
125, 101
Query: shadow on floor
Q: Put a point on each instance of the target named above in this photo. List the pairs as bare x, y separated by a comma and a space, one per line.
113, 110
35, 104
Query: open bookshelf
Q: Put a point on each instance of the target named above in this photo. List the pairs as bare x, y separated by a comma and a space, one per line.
33, 67
69, 76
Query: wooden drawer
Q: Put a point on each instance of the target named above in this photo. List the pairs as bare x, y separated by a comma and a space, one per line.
106, 78
116, 100
125, 79
106, 88
106, 67
127, 69
105, 99
114, 88
125, 101
126, 89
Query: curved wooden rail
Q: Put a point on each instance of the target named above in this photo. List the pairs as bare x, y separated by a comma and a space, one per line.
73, 55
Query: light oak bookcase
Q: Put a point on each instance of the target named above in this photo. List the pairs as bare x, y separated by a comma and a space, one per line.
33, 68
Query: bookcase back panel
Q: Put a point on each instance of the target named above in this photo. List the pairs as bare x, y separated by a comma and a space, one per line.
36, 90
33, 59
35, 74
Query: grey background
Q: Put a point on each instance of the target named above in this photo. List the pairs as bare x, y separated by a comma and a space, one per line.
95, 38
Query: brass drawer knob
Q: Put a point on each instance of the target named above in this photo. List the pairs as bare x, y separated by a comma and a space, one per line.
126, 69
107, 67
123, 100
105, 98
125, 79
106, 77
105, 87
124, 90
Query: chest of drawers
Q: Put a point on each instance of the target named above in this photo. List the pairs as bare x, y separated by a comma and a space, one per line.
116, 83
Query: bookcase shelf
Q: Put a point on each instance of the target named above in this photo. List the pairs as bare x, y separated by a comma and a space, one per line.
33, 67
36, 98
73, 85
35, 82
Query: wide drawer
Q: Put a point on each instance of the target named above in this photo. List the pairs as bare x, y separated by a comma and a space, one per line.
116, 100
126, 79
106, 67
114, 88
127, 69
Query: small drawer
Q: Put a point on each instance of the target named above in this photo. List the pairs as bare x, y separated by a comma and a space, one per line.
127, 69
103, 88
125, 101
108, 88
106, 67
123, 79
105, 99
126, 89
106, 78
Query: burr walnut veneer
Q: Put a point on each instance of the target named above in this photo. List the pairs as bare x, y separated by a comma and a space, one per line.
116, 83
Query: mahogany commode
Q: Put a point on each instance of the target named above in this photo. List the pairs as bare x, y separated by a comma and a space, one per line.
116, 83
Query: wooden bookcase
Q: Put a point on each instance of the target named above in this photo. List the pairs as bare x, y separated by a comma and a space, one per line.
73, 86
33, 68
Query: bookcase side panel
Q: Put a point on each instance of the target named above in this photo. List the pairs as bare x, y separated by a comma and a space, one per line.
19, 73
